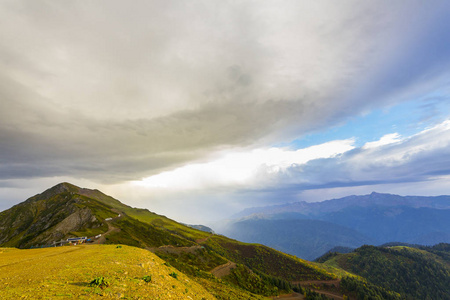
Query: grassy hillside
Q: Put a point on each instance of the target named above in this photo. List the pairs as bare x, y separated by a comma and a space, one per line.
66, 210
267, 260
414, 273
142, 215
66, 272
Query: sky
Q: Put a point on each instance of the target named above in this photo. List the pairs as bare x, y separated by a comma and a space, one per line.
199, 109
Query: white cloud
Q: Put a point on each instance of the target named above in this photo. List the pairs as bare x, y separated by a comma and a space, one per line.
384, 140
239, 169
420, 157
415, 165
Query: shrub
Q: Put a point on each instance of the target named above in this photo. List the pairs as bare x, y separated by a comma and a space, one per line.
100, 282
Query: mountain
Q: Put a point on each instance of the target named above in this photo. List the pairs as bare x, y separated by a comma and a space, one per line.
395, 223
51, 216
334, 205
304, 238
309, 230
200, 227
225, 267
66, 210
415, 273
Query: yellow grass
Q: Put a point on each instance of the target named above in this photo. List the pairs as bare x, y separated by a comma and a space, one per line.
65, 273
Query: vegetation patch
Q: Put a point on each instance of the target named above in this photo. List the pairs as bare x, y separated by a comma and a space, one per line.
100, 282
361, 289
417, 274
252, 282
267, 260
143, 235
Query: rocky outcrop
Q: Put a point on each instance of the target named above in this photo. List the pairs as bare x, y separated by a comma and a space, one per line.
80, 219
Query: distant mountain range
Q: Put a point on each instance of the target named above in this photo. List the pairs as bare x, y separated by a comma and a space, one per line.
333, 205
308, 230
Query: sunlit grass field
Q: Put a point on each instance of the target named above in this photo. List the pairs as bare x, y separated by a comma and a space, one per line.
66, 272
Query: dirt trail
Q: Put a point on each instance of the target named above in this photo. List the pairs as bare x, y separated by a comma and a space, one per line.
311, 283
293, 296
298, 296
318, 282
223, 270
200, 241
175, 250
330, 294
111, 228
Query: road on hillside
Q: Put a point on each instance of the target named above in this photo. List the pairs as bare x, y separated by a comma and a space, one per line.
175, 250
293, 296
223, 270
111, 229
201, 241
336, 282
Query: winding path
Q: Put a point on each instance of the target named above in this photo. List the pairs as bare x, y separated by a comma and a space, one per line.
293, 296
111, 229
223, 270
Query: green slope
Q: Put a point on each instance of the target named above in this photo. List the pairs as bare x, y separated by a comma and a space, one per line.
414, 273
267, 260
66, 210
66, 273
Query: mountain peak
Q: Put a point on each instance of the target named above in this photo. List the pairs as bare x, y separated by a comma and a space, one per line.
382, 194
66, 185
58, 189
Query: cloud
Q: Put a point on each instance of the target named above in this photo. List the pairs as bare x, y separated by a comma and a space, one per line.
384, 140
421, 157
238, 169
112, 92
415, 165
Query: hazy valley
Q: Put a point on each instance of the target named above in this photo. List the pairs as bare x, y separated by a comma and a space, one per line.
308, 230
